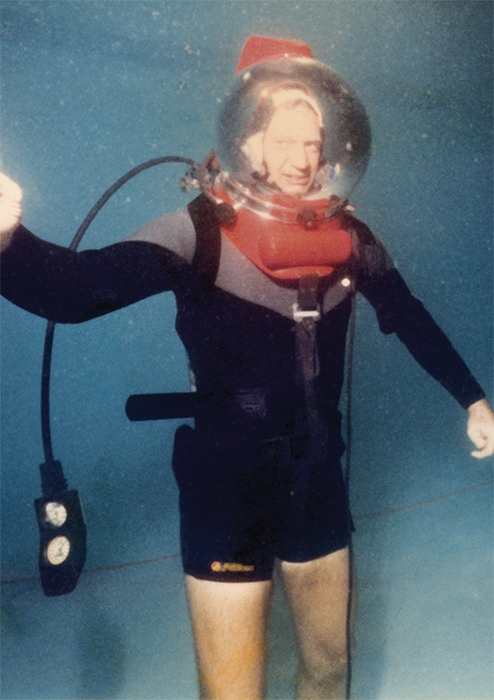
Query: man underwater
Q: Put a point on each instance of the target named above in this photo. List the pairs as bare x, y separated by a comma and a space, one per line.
264, 324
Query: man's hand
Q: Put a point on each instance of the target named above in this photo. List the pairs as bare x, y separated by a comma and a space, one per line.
481, 428
10, 209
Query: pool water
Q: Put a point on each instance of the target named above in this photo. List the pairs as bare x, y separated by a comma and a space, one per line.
88, 91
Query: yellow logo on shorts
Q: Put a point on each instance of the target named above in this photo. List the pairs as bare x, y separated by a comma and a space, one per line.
219, 567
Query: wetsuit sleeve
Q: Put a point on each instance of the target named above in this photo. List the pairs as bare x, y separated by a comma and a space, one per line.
398, 311
71, 287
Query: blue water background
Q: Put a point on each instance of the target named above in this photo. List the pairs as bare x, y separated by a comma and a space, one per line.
90, 89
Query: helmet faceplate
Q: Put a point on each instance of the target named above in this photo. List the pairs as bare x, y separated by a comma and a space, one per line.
257, 93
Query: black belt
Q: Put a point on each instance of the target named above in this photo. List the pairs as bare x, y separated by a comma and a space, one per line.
251, 403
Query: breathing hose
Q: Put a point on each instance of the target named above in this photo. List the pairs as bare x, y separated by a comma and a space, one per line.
50, 328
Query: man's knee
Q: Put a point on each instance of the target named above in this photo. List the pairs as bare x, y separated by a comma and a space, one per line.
318, 593
325, 662
322, 675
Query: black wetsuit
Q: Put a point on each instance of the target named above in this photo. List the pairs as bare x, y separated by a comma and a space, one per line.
246, 494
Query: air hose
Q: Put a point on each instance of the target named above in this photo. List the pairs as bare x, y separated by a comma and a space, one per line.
59, 513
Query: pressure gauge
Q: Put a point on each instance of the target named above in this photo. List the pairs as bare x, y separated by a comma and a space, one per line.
56, 513
58, 550
62, 544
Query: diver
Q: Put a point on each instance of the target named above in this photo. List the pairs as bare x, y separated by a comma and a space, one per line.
264, 265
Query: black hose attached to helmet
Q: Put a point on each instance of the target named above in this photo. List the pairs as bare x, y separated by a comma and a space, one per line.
47, 354
62, 550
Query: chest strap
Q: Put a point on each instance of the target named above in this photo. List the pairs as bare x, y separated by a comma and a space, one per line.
311, 430
308, 367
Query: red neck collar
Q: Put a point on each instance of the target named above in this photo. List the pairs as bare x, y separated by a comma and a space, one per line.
288, 250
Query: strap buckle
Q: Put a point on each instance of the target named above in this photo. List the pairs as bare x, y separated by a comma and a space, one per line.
300, 315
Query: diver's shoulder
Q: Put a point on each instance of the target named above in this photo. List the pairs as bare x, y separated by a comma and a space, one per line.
363, 232
369, 252
173, 231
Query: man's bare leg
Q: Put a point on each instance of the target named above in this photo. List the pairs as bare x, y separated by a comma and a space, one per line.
229, 623
317, 592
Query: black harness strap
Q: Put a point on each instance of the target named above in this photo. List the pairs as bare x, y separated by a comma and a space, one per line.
311, 431
197, 285
306, 315
206, 261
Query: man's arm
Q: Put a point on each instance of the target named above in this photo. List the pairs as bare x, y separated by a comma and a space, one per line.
399, 312
66, 286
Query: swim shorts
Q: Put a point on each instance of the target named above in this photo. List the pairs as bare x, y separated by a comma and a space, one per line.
245, 502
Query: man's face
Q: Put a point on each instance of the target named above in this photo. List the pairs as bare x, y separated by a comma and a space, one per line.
292, 149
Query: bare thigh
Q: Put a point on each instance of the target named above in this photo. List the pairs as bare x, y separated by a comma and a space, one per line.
317, 592
229, 624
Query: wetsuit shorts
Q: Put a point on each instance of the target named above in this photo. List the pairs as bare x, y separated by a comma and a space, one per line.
245, 502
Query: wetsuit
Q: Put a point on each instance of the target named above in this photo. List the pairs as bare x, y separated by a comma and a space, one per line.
247, 493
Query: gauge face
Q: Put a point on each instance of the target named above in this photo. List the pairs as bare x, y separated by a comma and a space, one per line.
58, 550
56, 513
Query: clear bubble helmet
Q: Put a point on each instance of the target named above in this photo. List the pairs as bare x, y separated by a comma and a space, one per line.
304, 89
